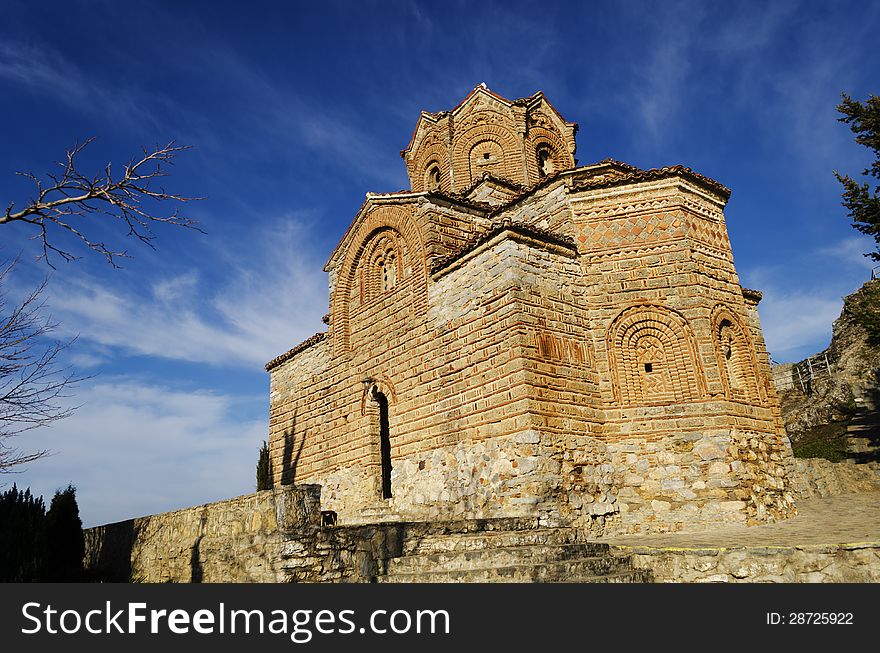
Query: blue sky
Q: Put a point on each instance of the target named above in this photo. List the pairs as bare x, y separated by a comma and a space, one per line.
296, 110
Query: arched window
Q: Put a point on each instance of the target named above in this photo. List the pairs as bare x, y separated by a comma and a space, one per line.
652, 368
486, 156
433, 177
726, 338
734, 360
387, 270
545, 161
381, 268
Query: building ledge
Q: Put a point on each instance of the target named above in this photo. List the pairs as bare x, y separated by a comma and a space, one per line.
290, 353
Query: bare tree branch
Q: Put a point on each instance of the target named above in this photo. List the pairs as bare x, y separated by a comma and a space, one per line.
68, 199
32, 378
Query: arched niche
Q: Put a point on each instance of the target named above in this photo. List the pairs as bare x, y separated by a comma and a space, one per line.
653, 357
735, 355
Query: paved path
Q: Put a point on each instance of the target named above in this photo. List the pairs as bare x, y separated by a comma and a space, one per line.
843, 519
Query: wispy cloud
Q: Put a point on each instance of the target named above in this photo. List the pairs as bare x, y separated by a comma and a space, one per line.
850, 251
276, 115
270, 297
133, 449
42, 69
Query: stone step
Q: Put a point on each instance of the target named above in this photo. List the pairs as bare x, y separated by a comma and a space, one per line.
575, 570
631, 576
495, 557
491, 540
374, 515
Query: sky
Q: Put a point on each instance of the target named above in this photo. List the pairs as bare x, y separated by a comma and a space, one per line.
294, 110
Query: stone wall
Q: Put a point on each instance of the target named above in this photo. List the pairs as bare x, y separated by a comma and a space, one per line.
267, 537
817, 477
276, 536
495, 477
844, 563
783, 377
239, 540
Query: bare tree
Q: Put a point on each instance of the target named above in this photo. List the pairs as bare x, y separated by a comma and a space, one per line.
67, 204
32, 379
64, 202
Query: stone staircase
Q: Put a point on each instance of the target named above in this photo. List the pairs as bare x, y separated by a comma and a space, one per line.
379, 513
543, 555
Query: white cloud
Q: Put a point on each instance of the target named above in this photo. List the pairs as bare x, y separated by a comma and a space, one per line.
797, 324
851, 251
803, 298
133, 449
270, 299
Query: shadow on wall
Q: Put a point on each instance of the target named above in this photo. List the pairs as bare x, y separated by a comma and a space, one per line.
195, 565
290, 460
108, 552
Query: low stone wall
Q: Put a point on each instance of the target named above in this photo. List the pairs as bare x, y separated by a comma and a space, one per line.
843, 563
238, 540
273, 536
817, 477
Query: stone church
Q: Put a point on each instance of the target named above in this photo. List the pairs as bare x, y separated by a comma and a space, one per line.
520, 336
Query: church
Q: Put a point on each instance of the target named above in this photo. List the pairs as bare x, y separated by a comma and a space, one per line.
517, 335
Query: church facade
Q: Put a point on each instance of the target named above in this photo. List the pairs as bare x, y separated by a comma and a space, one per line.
517, 335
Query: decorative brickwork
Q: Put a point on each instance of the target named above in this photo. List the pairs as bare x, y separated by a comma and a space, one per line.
522, 141
517, 337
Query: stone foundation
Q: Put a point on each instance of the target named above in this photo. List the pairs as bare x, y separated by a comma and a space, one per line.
695, 480
501, 477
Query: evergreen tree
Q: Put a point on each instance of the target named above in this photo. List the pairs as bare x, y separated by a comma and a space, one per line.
264, 478
22, 536
861, 202
65, 545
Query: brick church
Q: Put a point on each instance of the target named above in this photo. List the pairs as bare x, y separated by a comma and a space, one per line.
517, 335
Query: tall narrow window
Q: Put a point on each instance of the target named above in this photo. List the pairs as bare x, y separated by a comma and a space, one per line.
387, 269
433, 180
384, 444
545, 161
733, 359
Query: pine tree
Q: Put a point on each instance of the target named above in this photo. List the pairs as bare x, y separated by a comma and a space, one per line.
264, 480
65, 545
861, 202
22, 536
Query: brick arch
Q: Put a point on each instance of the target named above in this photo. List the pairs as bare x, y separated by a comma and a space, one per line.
653, 357
391, 222
431, 150
735, 355
381, 383
384, 247
538, 136
464, 143
427, 182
